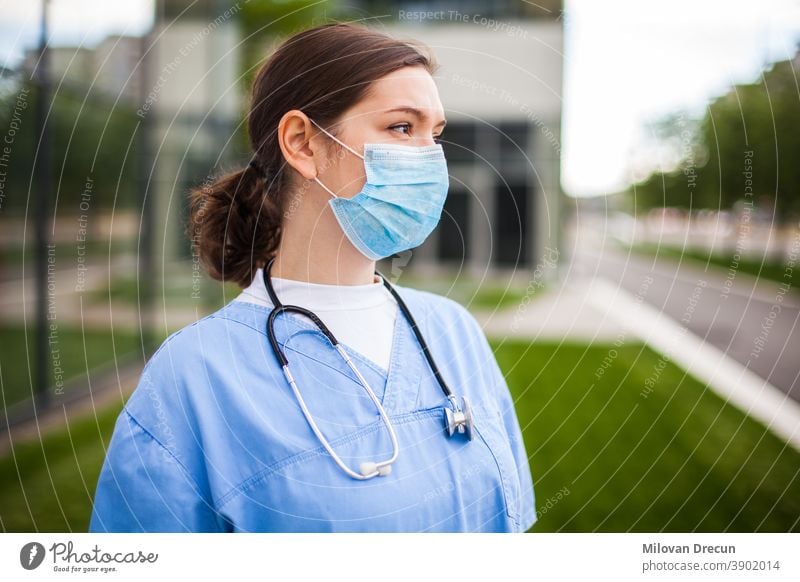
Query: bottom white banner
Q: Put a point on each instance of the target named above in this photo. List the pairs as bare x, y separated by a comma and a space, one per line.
406, 557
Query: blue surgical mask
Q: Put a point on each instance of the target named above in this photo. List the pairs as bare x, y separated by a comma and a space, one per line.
401, 202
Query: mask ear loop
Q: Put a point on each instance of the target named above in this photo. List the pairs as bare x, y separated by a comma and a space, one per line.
324, 186
342, 144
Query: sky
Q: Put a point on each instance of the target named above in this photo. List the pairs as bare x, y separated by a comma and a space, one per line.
627, 63
630, 62
70, 21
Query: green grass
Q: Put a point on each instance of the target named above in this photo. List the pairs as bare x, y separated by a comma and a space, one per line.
77, 351
678, 460
178, 289
771, 270
67, 252
469, 292
181, 288
49, 486
496, 297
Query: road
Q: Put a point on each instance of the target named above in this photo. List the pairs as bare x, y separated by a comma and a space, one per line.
755, 322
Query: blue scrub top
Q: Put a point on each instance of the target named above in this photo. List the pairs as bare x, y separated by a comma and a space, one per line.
213, 439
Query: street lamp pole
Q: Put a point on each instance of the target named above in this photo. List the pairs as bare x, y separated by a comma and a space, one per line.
42, 197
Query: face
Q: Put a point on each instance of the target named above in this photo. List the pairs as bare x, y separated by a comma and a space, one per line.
401, 108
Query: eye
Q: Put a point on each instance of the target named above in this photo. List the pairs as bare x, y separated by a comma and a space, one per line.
401, 125
407, 126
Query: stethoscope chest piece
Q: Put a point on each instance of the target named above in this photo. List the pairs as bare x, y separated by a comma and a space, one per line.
458, 418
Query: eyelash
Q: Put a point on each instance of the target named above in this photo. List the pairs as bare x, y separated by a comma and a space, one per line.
436, 139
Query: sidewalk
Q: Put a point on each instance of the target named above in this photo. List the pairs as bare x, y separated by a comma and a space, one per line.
559, 314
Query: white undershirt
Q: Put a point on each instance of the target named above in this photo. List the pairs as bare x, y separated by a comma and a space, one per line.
362, 317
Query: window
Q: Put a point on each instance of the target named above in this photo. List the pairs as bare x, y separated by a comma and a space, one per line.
453, 229
511, 224
458, 141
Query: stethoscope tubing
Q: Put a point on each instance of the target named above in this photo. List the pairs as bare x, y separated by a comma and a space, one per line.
459, 417
281, 308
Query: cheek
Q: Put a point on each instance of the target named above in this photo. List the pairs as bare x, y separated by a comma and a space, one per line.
350, 174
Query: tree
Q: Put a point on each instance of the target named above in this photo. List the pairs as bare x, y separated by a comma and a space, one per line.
91, 140
748, 144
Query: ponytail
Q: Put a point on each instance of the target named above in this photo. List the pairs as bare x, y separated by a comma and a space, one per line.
234, 224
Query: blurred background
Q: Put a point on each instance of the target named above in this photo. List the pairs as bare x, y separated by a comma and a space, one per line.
623, 219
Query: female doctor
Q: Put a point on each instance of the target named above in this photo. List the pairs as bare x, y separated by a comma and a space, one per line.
323, 398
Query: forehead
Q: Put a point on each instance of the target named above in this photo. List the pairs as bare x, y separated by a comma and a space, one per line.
406, 87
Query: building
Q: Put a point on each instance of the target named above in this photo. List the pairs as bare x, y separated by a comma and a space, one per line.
500, 82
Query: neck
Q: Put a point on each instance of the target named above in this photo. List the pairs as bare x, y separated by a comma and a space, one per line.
314, 249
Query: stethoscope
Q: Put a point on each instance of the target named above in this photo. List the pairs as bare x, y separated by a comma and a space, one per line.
458, 418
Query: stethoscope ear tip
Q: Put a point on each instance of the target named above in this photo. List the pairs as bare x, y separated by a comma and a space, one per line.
372, 469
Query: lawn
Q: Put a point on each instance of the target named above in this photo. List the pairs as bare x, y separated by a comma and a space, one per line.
177, 289
48, 486
678, 460
603, 457
14, 255
770, 270
77, 351
473, 293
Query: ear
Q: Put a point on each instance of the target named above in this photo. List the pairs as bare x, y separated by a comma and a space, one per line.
294, 138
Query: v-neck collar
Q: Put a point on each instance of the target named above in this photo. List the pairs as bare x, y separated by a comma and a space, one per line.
400, 362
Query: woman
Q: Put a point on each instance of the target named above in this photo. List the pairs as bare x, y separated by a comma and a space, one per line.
405, 425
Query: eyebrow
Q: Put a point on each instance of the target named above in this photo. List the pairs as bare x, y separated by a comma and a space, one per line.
417, 112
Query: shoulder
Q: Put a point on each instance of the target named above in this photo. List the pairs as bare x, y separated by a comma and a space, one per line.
181, 369
442, 314
429, 301
204, 338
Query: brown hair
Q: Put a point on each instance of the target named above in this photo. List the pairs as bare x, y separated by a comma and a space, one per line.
235, 221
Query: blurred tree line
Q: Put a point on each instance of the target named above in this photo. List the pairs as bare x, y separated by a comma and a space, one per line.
91, 136
747, 138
